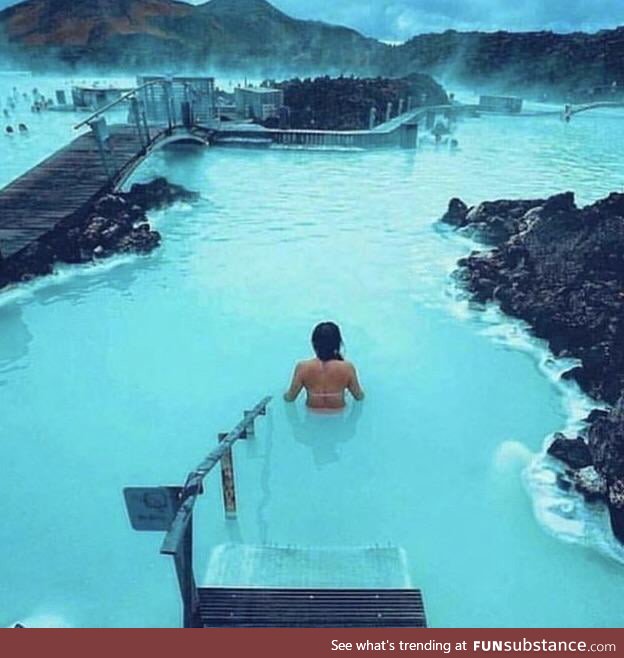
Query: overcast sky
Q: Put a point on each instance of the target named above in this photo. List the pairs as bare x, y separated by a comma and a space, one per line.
400, 19
397, 20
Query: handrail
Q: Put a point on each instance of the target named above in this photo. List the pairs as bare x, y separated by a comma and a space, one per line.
193, 486
122, 98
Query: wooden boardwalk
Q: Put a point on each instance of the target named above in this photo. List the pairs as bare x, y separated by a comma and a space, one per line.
69, 181
62, 185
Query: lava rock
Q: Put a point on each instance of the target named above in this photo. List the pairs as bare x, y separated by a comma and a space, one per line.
36, 259
110, 205
590, 483
572, 452
560, 268
115, 223
158, 193
606, 443
456, 213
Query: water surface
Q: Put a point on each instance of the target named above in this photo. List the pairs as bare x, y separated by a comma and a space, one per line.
125, 373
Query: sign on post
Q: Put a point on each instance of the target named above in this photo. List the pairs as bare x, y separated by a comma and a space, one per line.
227, 482
152, 508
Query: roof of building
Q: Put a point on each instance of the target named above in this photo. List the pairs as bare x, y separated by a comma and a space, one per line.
260, 90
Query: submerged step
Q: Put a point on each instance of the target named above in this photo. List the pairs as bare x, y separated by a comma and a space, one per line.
245, 565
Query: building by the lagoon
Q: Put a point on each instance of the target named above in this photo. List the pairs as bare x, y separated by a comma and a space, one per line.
505, 104
258, 102
92, 97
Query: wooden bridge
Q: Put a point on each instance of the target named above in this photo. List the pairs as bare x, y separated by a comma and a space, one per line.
170, 510
67, 183
65, 186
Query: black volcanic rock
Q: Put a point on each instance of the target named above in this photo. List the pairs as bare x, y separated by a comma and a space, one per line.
457, 213
158, 193
344, 103
606, 443
573, 452
561, 269
115, 223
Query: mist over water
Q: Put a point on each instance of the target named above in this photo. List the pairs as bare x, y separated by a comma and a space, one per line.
124, 374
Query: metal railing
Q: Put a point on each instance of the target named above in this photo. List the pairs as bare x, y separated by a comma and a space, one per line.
164, 106
129, 94
170, 509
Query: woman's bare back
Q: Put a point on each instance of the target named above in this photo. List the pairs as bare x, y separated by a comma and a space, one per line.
325, 383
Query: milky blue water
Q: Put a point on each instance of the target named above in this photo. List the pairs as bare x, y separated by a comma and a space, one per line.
124, 374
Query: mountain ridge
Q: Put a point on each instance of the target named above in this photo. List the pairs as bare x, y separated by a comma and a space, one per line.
132, 34
254, 37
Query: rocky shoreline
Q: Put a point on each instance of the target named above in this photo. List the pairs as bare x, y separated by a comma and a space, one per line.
115, 223
560, 268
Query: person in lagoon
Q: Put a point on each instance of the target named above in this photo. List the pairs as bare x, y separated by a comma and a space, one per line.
328, 376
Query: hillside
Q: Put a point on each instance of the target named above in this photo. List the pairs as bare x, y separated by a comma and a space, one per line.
516, 60
135, 34
255, 38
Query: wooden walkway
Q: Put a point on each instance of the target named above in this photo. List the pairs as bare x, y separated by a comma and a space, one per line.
69, 181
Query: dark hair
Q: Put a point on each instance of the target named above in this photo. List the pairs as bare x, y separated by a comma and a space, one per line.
327, 341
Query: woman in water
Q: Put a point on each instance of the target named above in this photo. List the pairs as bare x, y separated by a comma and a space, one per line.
328, 376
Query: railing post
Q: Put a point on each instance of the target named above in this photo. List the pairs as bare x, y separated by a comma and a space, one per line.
372, 118
250, 432
186, 579
143, 115
100, 133
168, 88
227, 482
134, 109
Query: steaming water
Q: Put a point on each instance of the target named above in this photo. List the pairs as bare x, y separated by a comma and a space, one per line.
124, 373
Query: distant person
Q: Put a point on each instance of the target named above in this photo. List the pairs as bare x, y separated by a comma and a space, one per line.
326, 377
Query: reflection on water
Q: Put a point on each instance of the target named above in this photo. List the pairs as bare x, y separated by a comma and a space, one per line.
323, 433
15, 337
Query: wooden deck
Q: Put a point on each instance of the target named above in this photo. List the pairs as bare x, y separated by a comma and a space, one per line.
311, 608
70, 180
62, 185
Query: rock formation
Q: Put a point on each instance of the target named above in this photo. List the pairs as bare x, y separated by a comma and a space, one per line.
561, 269
116, 223
345, 103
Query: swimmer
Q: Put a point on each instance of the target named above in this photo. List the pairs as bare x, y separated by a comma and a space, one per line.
23, 128
328, 376
9, 130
